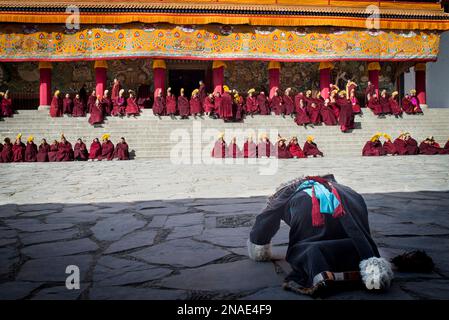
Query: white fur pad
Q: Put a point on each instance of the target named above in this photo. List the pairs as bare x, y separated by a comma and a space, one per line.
259, 252
376, 273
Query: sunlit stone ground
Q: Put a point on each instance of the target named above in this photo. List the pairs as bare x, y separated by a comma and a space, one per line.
154, 230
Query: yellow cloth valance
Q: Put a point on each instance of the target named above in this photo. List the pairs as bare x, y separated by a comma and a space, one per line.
159, 64
218, 64
45, 65
420, 67
100, 64
372, 66
274, 65
326, 65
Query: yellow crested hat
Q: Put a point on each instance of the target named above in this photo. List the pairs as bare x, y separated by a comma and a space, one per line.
57, 92
310, 138
19, 136
342, 92
105, 136
413, 91
394, 93
195, 92
387, 136
376, 137
226, 88
335, 91
309, 92
221, 135
30, 138
252, 90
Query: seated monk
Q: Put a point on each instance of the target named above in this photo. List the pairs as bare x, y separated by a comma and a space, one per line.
373, 148
310, 148
183, 105
384, 101
132, 109
407, 104
209, 106
276, 104
389, 147
333, 96
159, 103
121, 150
394, 105
346, 117
401, 145
79, 110
415, 102
67, 105
6, 109
289, 102
314, 113
251, 103
282, 149
44, 149
264, 148
80, 150
30, 150
119, 104
18, 150
107, 104
95, 150
96, 112
170, 103
56, 105
430, 147
219, 150
446, 146
6, 154
233, 149
263, 104
356, 109
53, 153
301, 118
324, 248
65, 151
107, 148
144, 96
412, 145
327, 114
294, 148
249, 148
374, 105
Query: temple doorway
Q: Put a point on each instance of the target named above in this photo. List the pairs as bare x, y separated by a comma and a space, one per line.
185, 78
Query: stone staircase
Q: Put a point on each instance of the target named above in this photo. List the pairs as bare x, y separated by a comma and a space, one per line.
151, 137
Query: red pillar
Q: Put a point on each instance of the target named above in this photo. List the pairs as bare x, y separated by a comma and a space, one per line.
325, 78
101, 68
420, 82
218, 75
159, 75
45, 85
274, 76
373, 74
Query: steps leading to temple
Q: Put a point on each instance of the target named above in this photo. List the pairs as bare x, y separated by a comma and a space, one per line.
149, 136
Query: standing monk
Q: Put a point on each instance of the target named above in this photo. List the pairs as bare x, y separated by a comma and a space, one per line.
122, 150
233, 149
251, 102
170, 103
249, 148
394, 105
238, 106
369, 92
96, 112
262, 104
30, 150
219, 150
355, 103
202, 92
18, 150
314, 113
107, 148
119, 104
195, 103
302, 118
310, 148
226, 104
116, 88
78, 107
7, 154
183, 105
107, 103
159, 103
276, 104
385, 102
44, 149
91, 101
56, 105
289, 103
6, 105
132, 109
327, 114
346, 117
209, 106
67, 105
80, 151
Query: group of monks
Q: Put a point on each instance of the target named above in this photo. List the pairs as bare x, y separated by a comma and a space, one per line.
62, 150
402, 145
265, 148
5, 105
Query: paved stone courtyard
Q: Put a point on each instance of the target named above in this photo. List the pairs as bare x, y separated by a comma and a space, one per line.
153, 230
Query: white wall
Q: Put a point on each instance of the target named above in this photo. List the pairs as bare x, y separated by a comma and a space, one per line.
437, 80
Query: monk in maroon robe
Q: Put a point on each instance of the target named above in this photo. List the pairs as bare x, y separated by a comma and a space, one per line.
238, 106
80, 151
407, 104
91, 101
132, 109
183, 105
276, 104
6, 154
144, 96
369, 91
251, 103
44, 149
219, 150
355, 103
30, 150
401, 145
18, 150
6, 105
430, 147
301, 118
314, 113
295, 149
265, 148
375, 106
65, 151
373, 147
107, 149
249, 148
388, 146
226, 104
116, 88
202, 93
394, 105
415, 102
170, 103
67, 105
56, 105
384, 101
119, 104
233, 149
217, 104
106, 101
195, 104
327, 114
79, 109
121, 150
346, 117
96, 112
263, 104
412, 145
53, 153
282, 149
333, 103
288, 102
159, 103
310, 148
446, 147
95, 150
209, 106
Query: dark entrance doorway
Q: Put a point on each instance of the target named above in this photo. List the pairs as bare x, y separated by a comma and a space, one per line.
187, 79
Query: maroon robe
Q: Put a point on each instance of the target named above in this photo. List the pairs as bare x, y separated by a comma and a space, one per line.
301, 117
202, 93
183, 106
7, 154
80, 151
107, 151
394, 107
217, 106
91, 102
375, 106
251, 105
355, 105
282, 151
412, 146
234, 151
170, 104
159, 106
265, 149
219, 150
95, 150
119, 106
416, 105
407, 106
226, 106
401, 146
430, 149
289, 104
96, 114
6, 107
31, 152
295, 150
328, 116
56, 107
346, 118
389, 148
249, 150
132, 109
370, 89
65, 152
209, 105
115, 91
238, 108
276, 105
311, 149
18, 152
78, 108
314, 113
263, 105
53, 153
144, 96
42, 154
446, 147
67, 106
385, 103
121, 151
195, 105
106, 102
373, 149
